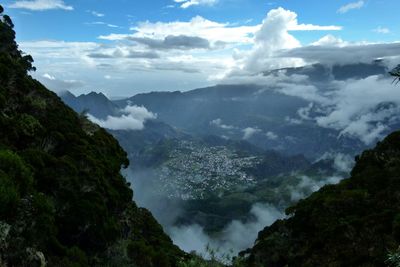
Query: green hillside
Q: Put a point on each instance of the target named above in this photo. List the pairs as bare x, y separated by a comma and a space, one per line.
63, 201
354, 223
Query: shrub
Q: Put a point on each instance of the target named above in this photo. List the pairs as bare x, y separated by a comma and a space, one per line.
14, 167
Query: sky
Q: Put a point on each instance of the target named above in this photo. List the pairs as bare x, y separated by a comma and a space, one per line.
125, 47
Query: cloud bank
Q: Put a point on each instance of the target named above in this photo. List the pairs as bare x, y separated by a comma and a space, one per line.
182, 42
41, 5
133, 118
236, 236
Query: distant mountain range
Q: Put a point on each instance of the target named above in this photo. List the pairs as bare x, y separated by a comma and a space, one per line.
224, 121
259, 114
94, 103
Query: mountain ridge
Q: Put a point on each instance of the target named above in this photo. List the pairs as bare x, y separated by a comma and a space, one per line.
63, 200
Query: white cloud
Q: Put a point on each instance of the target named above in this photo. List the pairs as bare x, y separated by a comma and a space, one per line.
360, 108
133, 118
102, 23
253, 46
196, 27
40, 5
235, 237
341, 162
330, 40
220, 124
48, 76
135, 66
96, 14
308, 186
306, 91
271, 135
381, 30
364, 108
57, 49
351, 6
330, 50
213, 31
59, 85
273, 35
250, 132
188, 3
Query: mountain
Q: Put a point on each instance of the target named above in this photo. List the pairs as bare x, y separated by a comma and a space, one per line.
262, 116
272, 116
94, 103
265, 115
353, 223
63, 201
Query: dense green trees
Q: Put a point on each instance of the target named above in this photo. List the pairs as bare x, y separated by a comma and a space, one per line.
62, 198
354, 223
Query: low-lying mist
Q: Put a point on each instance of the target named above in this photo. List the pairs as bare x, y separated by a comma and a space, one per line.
236, 236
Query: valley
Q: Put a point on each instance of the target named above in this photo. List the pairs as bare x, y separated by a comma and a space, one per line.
199, 133
190, 179
192, 171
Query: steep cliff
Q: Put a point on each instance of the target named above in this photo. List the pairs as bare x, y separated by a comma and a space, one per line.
63, 201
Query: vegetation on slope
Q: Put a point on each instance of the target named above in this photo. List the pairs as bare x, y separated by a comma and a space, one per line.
354, 223
63, 201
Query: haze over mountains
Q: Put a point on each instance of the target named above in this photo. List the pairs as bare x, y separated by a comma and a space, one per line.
284, 126
288, 106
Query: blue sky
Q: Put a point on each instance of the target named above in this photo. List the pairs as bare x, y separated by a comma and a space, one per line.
110, 46
72, 25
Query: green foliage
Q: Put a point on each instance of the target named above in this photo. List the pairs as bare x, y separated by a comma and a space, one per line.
396, 73
140, 253
17, 172
61, 191
9, 197
393, 258
353, 223
28, 125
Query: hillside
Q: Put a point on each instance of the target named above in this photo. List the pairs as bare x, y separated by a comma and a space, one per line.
354, 223
63, 201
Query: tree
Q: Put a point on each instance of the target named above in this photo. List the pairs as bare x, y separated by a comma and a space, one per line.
1, 9
396, 74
